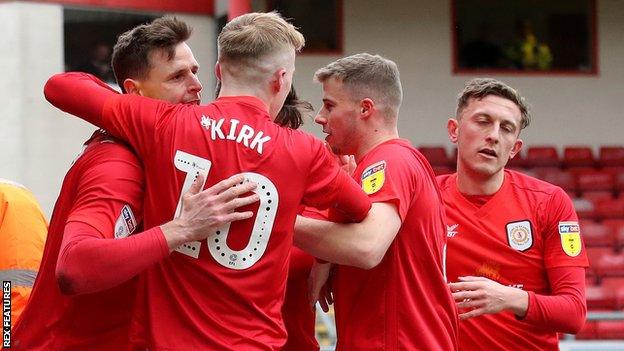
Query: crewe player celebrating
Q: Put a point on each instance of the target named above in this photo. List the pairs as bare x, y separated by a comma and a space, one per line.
515, 255
400, 300
299, 318
101, 199
225, 292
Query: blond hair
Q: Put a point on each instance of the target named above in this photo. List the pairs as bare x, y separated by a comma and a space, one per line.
256, 35
367, 75
478, 88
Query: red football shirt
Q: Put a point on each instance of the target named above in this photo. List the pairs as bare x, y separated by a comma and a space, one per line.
527, 227
103, 189
299, 317
225, 292
404, 303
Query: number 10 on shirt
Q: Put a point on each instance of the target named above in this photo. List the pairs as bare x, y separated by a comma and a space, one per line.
217, 240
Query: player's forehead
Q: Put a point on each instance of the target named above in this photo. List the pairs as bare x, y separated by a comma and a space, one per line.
493, 106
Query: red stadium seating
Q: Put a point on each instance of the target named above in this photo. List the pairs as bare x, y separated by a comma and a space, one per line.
611, 156
542, 156
599, 298
585, 209
578, 156
615, 286
594, 196
610, 208
436, 155
597, 234
595, 180
617, 226
440, 170
610, 329
517, 162
594, 254
564, 179
609, 264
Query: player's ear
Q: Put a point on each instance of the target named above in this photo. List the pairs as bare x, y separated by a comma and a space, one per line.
278, 81
516, 148
218, 70
452, 127
367, 107
132, 86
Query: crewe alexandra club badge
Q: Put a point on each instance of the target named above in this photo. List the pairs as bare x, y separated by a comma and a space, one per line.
570, 233
373, 177
519, 235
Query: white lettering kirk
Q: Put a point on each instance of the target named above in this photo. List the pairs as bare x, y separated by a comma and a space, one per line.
241, 133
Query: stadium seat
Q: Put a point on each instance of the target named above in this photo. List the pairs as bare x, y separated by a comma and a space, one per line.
563, 179
585, 209
542, 156
578, 156
617, 226
594, 196
436, 155
595, 180
609, 264
440, 170
611, 156
517, 162
610, 329
594, 254
610, 208
599, 298
597, 234
616, 286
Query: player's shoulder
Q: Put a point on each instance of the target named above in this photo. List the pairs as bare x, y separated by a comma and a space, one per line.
530, 185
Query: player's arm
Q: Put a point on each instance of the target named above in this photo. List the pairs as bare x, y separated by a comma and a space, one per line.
91, 260
563, 310
80, 94
361, 244
129, 117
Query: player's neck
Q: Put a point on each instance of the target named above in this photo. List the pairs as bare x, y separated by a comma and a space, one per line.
240, 90
372, 138
474, 183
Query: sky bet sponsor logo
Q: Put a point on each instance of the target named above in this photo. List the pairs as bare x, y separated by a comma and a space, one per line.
6, 314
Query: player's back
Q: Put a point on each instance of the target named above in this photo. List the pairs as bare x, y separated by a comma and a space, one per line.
226, 292
97, 321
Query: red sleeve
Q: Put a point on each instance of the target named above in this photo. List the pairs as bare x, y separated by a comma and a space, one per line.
80, 94
329, 186
565, 309
109, 189
130, 117
389, 178
563, 245
90, 263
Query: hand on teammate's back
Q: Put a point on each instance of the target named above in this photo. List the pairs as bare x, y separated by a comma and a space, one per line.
205, 210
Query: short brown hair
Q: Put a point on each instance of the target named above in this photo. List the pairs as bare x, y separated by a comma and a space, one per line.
255, 35
131, 53
478, 88
367, 75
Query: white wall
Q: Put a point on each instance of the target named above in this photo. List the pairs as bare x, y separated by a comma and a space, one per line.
38, 143
417, 36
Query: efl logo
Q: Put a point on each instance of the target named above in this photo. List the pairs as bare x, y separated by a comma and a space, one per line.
6, 314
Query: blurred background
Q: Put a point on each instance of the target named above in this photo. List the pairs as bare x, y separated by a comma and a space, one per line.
564, 56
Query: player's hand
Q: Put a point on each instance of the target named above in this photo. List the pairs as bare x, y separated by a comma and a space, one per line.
203, 211
476, 296
319, 285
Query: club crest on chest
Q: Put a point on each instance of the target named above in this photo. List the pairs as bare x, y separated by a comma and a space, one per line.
520, 235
